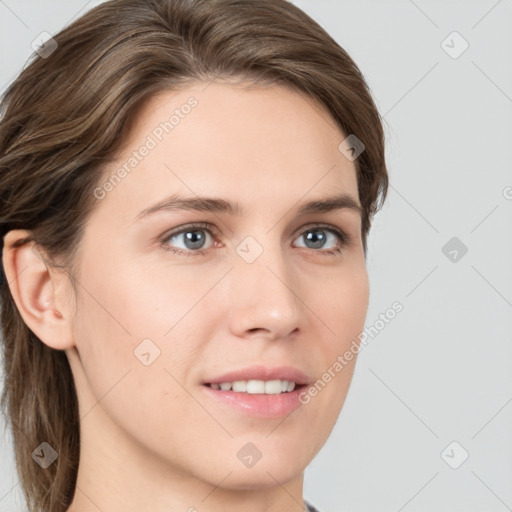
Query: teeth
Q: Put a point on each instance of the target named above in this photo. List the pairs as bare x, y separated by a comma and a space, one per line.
253, 387
239, 386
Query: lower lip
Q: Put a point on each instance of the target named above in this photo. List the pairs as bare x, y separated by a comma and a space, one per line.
260, 405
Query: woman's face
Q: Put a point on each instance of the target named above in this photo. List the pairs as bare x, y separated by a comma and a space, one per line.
257, 285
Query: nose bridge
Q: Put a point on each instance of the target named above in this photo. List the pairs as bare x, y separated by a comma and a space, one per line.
264, 295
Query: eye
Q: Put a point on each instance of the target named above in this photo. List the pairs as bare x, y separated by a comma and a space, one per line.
317, 237
192, 237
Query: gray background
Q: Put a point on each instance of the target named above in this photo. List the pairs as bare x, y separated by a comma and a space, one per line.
440, 371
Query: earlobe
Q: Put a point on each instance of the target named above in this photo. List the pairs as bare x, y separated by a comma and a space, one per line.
35, 287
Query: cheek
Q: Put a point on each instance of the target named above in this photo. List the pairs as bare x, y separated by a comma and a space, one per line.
151, 300
127, 317
342, 308
129, 303
343, 304
116, 334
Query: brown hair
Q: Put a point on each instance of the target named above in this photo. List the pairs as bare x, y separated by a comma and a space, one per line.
65, 116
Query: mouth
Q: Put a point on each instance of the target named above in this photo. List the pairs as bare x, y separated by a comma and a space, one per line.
257, 387
259, 390
256, 398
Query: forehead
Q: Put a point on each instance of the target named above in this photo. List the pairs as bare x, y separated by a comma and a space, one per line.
229, 141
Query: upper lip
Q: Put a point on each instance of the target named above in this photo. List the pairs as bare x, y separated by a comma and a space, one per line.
288, 373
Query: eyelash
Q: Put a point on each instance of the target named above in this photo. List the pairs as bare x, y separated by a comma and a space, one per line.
343, 237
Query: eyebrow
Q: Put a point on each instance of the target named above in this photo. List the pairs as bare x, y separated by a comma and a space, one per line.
211, 204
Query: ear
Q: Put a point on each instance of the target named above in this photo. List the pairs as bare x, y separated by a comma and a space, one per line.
41, 292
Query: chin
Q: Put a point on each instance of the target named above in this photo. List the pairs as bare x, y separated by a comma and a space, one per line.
264, 477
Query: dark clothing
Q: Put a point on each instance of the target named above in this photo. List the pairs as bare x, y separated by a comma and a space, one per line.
310, 508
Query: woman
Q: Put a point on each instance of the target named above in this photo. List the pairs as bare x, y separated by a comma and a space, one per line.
186, 189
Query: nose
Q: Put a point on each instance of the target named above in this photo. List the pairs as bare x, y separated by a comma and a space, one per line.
266, 297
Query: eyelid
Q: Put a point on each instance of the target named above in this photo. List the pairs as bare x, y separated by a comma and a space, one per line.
343, 235
190, 227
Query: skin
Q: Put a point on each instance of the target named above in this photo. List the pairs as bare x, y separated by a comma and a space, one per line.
150, 438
